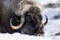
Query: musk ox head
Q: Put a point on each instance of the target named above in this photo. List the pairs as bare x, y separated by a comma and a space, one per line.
28, 19
26, 6
31, 18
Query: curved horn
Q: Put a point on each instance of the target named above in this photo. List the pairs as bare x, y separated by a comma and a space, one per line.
18, 26
46, 21
44, 24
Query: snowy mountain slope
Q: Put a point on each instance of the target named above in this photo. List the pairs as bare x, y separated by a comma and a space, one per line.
52, 13
53, 25
47, 1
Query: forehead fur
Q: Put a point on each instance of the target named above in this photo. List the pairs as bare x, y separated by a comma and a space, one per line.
24, 6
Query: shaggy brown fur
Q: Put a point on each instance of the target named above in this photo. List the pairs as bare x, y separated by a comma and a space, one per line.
14, 9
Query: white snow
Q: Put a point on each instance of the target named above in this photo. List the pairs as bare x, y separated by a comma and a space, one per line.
53, 25
51, 28
47, 1
17, 36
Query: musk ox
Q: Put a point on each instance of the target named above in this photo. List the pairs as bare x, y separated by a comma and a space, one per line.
22, 16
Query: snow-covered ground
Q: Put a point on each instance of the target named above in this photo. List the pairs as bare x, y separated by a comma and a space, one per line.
51, 28
53, 25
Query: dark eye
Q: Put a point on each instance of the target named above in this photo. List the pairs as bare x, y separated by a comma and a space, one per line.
16, 21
